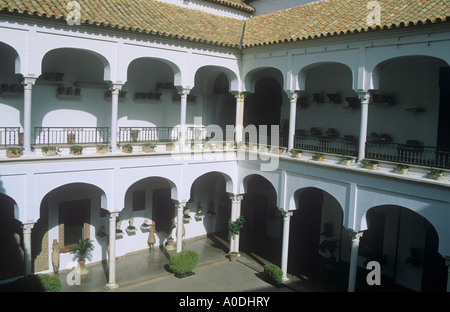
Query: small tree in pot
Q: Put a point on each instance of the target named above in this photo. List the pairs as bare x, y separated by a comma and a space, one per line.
235, 227
82, 251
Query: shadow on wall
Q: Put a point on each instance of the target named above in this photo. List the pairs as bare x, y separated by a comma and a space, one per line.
11, 261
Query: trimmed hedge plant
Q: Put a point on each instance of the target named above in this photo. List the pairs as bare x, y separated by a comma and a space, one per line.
273, 273
37, 283
183, 263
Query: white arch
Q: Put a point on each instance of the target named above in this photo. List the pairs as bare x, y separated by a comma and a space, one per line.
212, 72
107, 74
252, 77
303, 72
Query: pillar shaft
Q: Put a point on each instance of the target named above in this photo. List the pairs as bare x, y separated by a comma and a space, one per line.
27, 227
235, 213
183, 110
240, 98
285, 244
112, 251
364, 97
115, 90
292, 120
354, 261
27, 98
180, 208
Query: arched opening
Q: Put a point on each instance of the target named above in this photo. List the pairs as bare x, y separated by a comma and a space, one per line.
11, 244
406, 246
68, 213
262, 233
315, 239
210, 205
264, 106
215, 104
148, 201
11, 100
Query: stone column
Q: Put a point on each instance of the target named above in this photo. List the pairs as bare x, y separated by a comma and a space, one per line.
27, 227
184, 93
235, 213
292, 119
353, 260
115, 90
285, 244
365, 98
180, 207
27, 97
240, 97
112, 251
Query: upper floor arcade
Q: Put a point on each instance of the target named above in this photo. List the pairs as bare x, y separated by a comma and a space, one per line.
375, 97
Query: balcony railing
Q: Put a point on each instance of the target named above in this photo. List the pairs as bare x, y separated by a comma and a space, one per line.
75, 135
409, 154
10, 136
338, 146
159, 134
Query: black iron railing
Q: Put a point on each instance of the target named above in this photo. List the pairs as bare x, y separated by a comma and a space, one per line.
338, 146
409, 154
72, 135
10, 136
159, 134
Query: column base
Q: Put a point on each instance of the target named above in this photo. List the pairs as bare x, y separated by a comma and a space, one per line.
112, 286
285, 278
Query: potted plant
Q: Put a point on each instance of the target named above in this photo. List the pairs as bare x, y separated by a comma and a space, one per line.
134, 135
235, 227
71, 138
82, 251
76, 150
345, 160
169, 245
435, 174
102, 149
50, 150
401, 169
148, 148
369, 164
169, 146
317, 157
127, 148
296, 153
14, 152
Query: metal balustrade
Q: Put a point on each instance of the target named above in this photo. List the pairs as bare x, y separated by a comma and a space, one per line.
326, 145
159, 134
409, 154
71, 135
10, 136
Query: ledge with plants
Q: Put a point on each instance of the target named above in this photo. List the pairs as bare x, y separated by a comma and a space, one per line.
318, 157
148, 148
435, 174
14, 152
50, 150
76, 150
296, 153
369, 164
346, 160
401, 169
127, 148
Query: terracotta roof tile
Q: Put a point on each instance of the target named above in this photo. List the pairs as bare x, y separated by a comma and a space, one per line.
337, 17
314, 20
237, 4
147, 16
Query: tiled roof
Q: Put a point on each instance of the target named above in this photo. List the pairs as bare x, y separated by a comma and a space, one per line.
146, 16
237, 4
309, 21
337, 17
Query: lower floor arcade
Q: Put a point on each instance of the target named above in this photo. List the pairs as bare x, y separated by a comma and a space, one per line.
309, 241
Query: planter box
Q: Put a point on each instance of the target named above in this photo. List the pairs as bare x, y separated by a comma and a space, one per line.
400, 170
435, 175
73, 152
346, 162
12, 154
317, 158
49, 153
127, 149
371, 166
102, 149
148, 149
